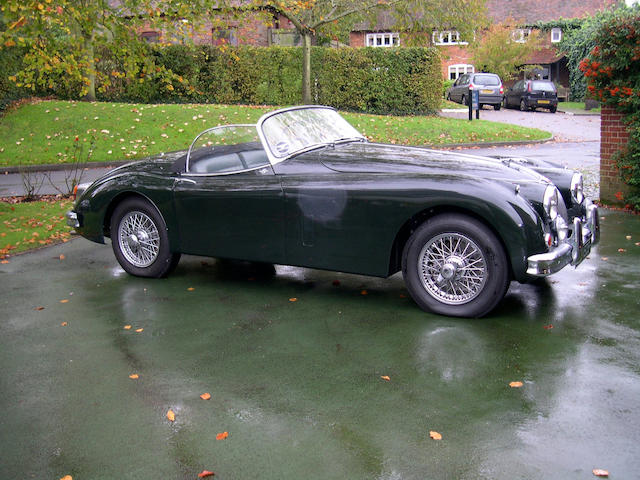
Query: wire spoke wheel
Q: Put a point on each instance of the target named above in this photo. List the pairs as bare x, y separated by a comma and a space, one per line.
452, 268
139, 239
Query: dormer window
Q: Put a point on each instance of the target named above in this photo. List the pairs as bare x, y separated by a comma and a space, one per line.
447, 37
521, 35
382, 39
556, 35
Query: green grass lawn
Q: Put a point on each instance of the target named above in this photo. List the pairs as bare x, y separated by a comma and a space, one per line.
45, 132
576, 107
32, 224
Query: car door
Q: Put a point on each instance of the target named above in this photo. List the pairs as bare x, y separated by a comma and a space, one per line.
231, 215
460, 86
513, 95
333, 221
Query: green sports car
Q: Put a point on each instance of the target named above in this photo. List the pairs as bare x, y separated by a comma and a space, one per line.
303, 187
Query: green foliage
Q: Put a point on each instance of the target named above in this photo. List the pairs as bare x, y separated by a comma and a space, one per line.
498, 53
10, 62
399, 81
376, 80
612, 69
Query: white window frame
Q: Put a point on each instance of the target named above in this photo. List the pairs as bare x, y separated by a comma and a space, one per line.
382, 39
521, 35
447, 37
460, 69
556, 35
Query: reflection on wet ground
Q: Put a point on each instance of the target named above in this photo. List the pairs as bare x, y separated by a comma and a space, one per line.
294, 358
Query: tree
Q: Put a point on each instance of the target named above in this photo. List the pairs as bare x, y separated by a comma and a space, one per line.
501, 53
66, 38
332, 18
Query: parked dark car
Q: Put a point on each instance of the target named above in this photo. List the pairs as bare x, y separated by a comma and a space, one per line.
303, 187
531, 94
488, 84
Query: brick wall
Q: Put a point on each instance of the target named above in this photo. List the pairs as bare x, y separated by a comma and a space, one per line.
613, 137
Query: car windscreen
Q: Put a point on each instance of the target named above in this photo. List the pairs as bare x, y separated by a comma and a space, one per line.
291, 131
543, 86
486, 80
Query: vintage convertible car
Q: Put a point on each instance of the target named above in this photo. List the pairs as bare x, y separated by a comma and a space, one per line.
303, 187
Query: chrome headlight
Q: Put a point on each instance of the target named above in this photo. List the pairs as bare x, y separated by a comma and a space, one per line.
550, 202
577, 188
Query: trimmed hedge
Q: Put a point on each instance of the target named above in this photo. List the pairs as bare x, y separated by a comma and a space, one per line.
374, 80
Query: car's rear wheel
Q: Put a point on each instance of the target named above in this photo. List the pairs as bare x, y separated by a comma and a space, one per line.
496, 106
140, 241
523, 106
553, 109
454, 265
505, 104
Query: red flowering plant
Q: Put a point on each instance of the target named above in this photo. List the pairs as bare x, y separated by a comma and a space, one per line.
612, 70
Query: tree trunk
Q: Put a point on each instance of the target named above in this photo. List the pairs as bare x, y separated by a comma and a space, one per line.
306, 68
91, 71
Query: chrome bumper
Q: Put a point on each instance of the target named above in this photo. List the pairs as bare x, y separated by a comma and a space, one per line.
72, 219
586, 232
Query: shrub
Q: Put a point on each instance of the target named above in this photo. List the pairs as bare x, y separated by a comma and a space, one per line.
612, 69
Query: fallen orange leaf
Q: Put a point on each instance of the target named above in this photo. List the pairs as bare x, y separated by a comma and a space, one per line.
385, 377
39, 308
364, 292
222, 436
64, 301
598, 472
62, 257
205, 473
67, 477
205, 396
139, 330
621, 250
190, 289
515, 384
548, 327
134, 376
4, 261
127, 327
293, 299
64, 324
171, 416
435, 435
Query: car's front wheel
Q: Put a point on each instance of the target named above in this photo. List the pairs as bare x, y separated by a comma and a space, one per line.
523, 106
454, 265
140, 241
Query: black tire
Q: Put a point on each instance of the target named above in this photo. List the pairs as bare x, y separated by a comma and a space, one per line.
505, 104
553, 109
464, 100
496, 106
140, 241
437, 282
523, 106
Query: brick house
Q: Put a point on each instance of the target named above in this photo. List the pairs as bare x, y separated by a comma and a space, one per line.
456, 58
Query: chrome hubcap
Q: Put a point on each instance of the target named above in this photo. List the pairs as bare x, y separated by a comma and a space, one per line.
452, 268
139, 239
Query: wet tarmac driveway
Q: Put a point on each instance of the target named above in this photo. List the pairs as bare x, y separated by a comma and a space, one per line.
298, 385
